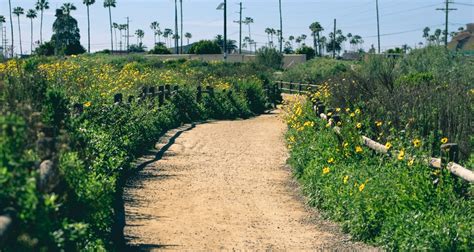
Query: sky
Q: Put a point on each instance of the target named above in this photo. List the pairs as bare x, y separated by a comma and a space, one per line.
401, 21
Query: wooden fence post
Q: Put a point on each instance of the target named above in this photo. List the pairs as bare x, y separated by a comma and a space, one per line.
321, 108
291, 87
449, 153
199, 94
144, 92
300, 88
210, 90
168, 91
152, 92
161, 95
118, 98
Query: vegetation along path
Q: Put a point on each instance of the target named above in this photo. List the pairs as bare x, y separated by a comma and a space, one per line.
225, 185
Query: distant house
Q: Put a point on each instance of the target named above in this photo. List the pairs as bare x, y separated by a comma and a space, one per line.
464, 40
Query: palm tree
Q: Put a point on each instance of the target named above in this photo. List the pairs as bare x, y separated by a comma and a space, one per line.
316, 29
322, 43
42, 5
109, 4
248, 21
268, 31
121, 28
2, 21
140, 34
115, 26
168, 33
88, 3
426, 33
272, 32
303, 38
31, 14
11, 25
188, 36
159, 33
291, 38
67, 8
18, 11
155, 26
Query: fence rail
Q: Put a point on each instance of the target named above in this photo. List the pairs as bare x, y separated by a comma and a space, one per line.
449, 151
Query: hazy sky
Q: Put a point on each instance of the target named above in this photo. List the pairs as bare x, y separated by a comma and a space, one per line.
401, 21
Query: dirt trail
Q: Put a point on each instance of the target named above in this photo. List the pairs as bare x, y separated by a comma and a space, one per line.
224, 185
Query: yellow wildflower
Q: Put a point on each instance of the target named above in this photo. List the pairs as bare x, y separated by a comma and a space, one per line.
444, 140
346, 179
359, 125
401, 155
359, 149
87, 104
345, 145
326, 170
357, 111
411, 162
388, 145
378, 123
331, 160
361, 187
352, 115
338, 109
348, 110
417, 143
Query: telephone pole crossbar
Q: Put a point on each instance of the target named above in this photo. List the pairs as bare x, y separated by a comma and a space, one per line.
446, 10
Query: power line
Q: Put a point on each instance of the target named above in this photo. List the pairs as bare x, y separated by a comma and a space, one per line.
400, 32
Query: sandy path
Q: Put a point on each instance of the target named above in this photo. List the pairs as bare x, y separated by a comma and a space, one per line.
224, 185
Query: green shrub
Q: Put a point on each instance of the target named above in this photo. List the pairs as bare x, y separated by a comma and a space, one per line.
205, 47
397, 203
308, 51
269, 57
160, 48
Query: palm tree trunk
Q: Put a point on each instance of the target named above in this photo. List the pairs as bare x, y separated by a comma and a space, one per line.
11, 25
120, 40
88, 31
111, 27
319, 46
31, 51
41, 28
188, 41
19, 33
116, 41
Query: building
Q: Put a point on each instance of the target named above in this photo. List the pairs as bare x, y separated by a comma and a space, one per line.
464, 40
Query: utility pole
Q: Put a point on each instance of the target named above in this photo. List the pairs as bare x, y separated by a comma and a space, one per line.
334, 41
446, 9
176, 34
378, 23
128, 34
181, 8
225, 30
240, 28
281, 29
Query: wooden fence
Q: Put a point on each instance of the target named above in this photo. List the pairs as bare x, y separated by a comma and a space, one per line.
449, 151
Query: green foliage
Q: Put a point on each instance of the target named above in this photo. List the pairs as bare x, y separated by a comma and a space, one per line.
45, 49
316, 70
66, 36
398, 203
96, 149
416, 93
205, 47
309, 51
269, 57
160, 48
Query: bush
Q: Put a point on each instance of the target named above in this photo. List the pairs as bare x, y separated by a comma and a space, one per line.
269, 57
308, 51
316, 71
395, 202
95, 150
46, 49
205, 47
160, 48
